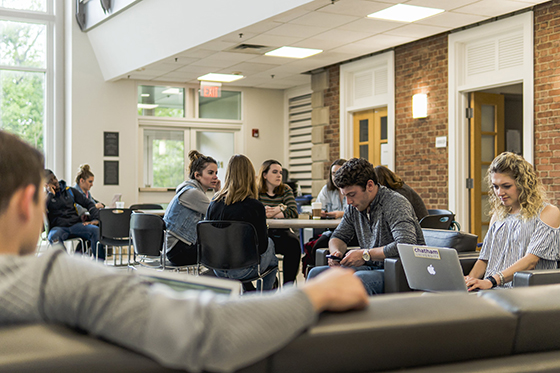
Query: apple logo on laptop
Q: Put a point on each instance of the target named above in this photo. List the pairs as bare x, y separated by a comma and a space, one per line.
431, 270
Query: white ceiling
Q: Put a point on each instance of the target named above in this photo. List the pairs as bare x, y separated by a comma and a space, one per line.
340, 28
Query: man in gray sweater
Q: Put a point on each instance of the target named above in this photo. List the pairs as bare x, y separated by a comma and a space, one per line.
378, 216
195, 331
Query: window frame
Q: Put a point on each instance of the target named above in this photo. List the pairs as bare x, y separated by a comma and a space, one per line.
53, 123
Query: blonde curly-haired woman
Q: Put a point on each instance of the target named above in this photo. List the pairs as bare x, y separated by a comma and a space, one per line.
523, 231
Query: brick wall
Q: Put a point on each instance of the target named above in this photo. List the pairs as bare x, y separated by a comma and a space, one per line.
547, 96
421, 67
332, 100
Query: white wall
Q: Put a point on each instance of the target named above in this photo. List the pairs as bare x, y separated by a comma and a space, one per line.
94, 106
264, 110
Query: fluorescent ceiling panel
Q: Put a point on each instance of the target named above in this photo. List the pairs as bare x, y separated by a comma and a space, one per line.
405, 13
293, 52
223, 78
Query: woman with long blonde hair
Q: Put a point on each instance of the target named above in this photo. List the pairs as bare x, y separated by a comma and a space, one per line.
524, 229
238, 201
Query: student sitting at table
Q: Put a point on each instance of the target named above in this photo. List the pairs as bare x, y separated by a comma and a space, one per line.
84, 182
237, 201
188, 207
280, 203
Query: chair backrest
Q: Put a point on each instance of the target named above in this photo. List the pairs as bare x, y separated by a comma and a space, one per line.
148, 233
146, 206
460, 241
442, 221
440, 212
114, 223
224, 244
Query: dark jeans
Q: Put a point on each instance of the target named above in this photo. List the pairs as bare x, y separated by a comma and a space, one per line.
287, 244
87, 232
182, 254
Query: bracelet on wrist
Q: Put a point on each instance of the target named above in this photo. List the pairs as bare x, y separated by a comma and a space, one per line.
492, 280
502, 279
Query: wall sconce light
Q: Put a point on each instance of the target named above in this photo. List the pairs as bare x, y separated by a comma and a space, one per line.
420, 105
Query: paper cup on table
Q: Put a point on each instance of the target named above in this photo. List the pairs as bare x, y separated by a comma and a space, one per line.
119, 205
316, 206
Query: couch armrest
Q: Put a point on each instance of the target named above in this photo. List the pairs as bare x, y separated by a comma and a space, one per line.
321, 257
536, 277
395, 279
460, 241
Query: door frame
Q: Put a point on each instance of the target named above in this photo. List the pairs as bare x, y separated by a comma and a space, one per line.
458, 89
349, 105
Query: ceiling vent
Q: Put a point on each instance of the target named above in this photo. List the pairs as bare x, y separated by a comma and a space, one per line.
249, 48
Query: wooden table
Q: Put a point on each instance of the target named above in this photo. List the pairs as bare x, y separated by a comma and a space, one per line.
153, 212
302, 223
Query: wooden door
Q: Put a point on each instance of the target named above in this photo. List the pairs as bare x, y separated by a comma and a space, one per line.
370, 135
486, 142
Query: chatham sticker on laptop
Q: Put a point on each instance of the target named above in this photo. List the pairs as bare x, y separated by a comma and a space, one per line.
425, 252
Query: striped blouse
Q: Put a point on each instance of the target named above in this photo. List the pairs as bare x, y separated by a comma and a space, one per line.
287, 198
509, 240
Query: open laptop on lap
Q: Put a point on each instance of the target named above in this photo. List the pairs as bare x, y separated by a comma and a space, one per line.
184, 282
432, 268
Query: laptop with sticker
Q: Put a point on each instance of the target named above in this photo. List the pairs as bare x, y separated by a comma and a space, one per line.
432, 268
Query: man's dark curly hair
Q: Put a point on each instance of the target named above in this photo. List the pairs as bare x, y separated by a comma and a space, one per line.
356, 171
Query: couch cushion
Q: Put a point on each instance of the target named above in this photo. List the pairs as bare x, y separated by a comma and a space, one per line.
53, 348
538, 311
398, 331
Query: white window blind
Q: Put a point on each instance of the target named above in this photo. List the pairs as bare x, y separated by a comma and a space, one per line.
300, 141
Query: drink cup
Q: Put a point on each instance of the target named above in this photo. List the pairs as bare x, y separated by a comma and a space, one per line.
316, 206
119, 205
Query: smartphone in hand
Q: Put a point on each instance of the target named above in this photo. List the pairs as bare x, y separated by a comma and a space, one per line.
334, 258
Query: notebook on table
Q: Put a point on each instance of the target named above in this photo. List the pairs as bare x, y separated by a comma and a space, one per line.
184, 282
432, 268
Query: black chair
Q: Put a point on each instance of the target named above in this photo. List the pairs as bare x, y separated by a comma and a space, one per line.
114, 230
147, 233
442, 221
440, 212
146, 206
225, 245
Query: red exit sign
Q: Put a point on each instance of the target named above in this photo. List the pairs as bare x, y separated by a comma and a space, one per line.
210, 91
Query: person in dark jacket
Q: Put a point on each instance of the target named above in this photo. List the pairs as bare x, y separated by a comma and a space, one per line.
63, 217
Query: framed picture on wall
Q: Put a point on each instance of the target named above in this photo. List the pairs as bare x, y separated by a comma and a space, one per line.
110, 172
110, 144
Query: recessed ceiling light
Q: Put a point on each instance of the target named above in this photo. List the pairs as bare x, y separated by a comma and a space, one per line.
405, 13
172, 91
224, 78
147, 106
145, 95
293, 52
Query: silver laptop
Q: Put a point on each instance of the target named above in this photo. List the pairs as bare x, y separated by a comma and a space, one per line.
432, 268
184, 282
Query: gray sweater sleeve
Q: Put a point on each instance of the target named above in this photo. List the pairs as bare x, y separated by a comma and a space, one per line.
192, 330
195, 200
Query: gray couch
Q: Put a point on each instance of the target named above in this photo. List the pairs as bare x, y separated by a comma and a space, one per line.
493, 331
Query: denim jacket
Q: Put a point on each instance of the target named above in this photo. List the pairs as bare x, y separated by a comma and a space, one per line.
180, 219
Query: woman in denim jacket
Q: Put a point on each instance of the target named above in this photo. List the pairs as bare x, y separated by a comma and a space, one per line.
188, 207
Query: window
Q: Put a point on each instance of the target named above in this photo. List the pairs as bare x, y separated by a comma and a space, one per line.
36, 5
228, 106
164, 157
23, 63
161, 101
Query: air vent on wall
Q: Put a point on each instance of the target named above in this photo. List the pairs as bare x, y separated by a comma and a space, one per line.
249, 48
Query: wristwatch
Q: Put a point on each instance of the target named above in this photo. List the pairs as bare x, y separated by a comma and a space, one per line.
282, 207
365, 255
